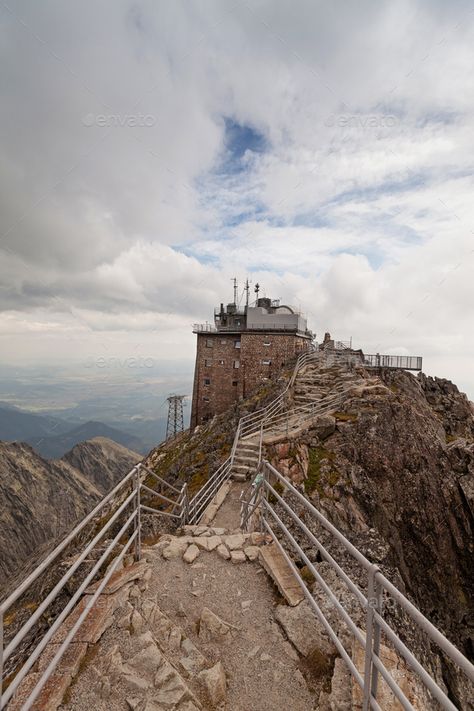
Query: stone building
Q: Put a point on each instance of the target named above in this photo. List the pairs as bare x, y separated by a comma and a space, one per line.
244, 348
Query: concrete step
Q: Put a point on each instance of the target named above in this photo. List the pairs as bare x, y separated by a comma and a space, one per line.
248, 461
235, 476
247, 444
241, 468
281, 573
247, 452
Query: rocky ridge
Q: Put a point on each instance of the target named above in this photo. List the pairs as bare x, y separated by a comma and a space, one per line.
41, 500
393, 469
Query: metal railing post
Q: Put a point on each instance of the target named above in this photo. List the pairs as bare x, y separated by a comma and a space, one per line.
260, 443
263, 496
138, 522
369, 668
378, 597
1, 656
185, 504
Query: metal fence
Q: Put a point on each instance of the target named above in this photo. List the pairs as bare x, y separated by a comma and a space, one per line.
122, 507
393, 361
262, 498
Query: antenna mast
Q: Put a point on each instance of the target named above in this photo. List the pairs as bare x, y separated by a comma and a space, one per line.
175, 423
247, 289
235, 290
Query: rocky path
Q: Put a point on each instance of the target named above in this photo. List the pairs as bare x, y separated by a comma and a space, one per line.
203, 628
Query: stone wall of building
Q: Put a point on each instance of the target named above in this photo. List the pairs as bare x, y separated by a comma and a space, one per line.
232, 366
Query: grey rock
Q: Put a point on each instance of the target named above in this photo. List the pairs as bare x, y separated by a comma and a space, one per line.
191, 554
303, 629
237, 557
145, 662
174, 549
252, 552
223, 552
212, 627
214, 683
235, 541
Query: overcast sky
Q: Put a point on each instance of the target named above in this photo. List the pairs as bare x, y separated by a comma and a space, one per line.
150, 151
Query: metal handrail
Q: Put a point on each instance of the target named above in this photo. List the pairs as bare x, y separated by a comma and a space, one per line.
132, 501
371, 601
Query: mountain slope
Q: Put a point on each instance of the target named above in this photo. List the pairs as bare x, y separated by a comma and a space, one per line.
40, 500
393, 469
101, 461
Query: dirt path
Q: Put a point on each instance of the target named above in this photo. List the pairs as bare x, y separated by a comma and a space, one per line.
263, 670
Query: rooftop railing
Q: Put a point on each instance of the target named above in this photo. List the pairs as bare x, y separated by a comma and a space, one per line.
237, 328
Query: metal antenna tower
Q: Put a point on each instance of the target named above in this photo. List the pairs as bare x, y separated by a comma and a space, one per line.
175, 422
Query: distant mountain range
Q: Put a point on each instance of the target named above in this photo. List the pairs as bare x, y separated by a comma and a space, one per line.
52, 437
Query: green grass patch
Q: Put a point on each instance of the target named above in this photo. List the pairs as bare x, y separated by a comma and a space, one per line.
316, 480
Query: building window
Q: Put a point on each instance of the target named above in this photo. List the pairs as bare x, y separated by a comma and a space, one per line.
207, 381
223, 342
236, 363
267, 343
235, 383
208, 362
266, 362
236, 344
209, 343
222, 362
206, 399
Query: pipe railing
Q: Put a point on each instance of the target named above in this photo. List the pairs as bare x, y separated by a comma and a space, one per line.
262, 498
126, 502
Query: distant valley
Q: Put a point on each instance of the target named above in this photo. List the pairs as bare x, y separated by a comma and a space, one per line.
52, 437
130, 400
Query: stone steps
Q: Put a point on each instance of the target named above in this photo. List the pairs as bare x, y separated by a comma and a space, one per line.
245, 459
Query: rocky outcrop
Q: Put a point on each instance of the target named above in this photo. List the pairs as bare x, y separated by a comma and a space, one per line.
397, 477
102, 461
41, 500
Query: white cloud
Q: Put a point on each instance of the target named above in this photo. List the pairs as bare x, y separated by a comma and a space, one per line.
359, 208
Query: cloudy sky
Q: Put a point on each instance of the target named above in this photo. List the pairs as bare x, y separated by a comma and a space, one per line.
152, 150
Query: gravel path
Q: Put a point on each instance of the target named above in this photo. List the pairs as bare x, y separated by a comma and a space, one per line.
262, 668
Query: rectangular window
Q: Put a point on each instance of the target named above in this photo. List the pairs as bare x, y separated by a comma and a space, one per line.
205, 399
235, 383
208, 362
267, 343
209, 343
266, 362
236, 344
222, 362
236, 363
223, 343
207, 381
